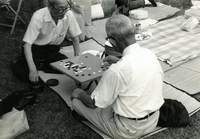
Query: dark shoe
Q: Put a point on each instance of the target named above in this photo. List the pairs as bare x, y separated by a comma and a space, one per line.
20, 93
6, 105
78, 117
153, 3
16, 96
36, 87
26, 100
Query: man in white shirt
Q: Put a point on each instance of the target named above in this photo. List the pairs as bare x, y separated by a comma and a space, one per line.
46, 31
126, 102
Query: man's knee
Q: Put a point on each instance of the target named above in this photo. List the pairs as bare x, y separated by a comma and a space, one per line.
76, 103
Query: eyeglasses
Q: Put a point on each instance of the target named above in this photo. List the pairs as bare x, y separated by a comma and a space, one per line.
107, 38
109, 42
61, 9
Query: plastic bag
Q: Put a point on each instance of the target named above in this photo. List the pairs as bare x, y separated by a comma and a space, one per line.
190, 24
13, 124
173, 114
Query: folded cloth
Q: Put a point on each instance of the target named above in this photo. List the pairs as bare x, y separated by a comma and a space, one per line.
193, 13
190, 24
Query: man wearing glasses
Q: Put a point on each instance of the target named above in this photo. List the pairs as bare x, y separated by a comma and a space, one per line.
46, 31
126, 102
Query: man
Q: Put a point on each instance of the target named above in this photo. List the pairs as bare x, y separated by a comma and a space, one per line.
126, 102
46, 31
136, 3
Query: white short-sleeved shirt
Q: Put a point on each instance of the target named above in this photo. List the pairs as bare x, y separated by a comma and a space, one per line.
133, 86
42, 29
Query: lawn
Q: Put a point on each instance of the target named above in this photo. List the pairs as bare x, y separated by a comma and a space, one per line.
51, 118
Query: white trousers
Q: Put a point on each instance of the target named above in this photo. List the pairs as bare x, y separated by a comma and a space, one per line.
114, 125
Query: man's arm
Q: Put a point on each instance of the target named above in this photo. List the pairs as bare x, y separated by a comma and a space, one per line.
111, 59
75, 42
33, 74
85, 98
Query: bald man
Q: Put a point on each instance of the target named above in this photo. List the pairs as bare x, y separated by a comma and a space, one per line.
46, 31
126, 102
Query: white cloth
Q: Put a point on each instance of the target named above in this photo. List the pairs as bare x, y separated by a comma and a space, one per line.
133, 85
42, 29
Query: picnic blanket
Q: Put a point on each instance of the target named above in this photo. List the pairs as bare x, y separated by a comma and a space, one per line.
170, 43
97, 29
67, 85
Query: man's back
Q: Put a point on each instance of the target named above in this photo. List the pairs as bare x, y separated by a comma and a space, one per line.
141, 79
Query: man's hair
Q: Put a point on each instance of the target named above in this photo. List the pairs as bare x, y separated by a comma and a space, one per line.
54, 2
120, 27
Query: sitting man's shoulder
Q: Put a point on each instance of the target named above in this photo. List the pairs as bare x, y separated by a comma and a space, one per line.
41, 12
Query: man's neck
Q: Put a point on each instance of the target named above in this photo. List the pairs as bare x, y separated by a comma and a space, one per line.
55, 20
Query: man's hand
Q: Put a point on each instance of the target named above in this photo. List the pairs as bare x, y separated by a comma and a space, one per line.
85, 98
111, 59
76, 93
33, 76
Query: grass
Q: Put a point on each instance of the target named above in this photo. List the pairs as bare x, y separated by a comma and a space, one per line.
51, 118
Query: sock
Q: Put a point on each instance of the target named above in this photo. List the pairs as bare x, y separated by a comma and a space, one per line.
150, 2
147, 2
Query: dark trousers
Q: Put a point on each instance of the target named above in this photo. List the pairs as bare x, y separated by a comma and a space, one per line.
42, 57
132, 4
127, 5
136, 4
1, 109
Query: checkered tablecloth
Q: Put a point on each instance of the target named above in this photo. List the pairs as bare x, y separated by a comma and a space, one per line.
160, 12
170, 43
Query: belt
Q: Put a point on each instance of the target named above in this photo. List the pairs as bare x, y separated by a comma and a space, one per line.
143, 117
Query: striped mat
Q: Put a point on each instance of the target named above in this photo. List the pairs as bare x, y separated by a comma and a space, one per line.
185, 77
